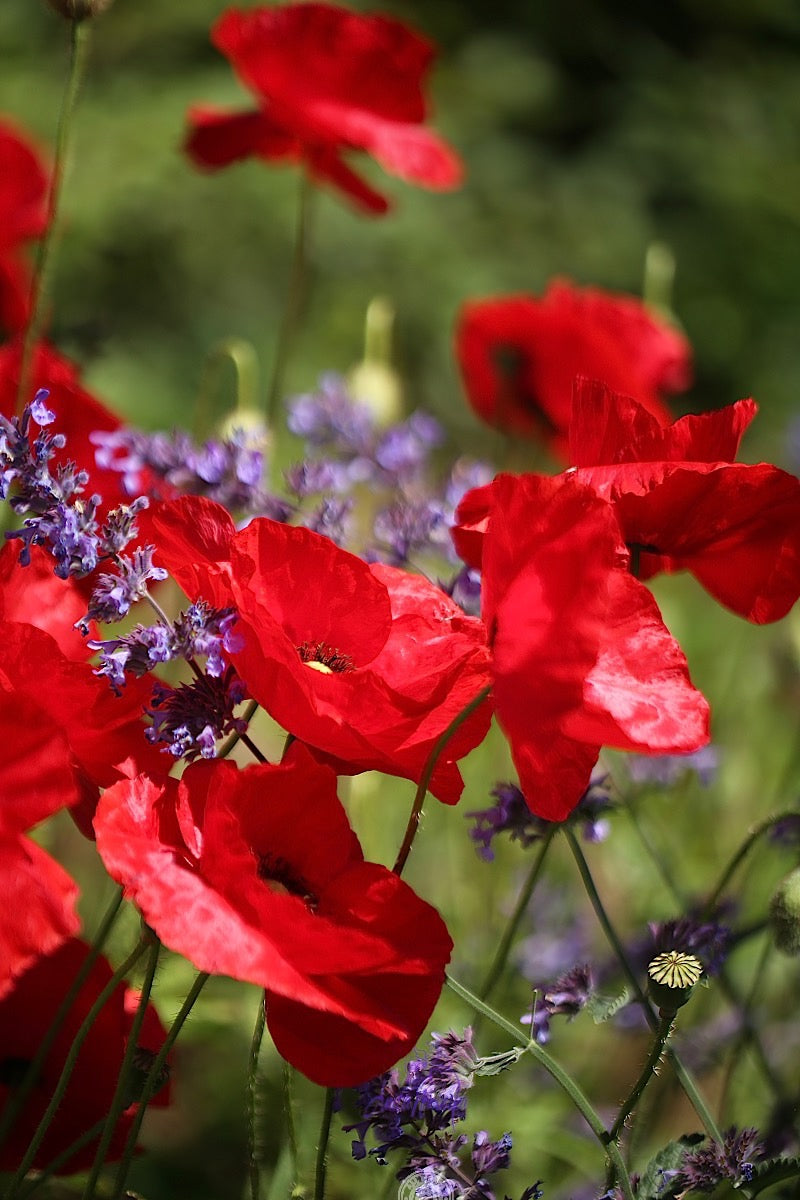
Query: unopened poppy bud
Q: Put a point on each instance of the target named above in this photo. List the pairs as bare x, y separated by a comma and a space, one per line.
784, 913
374, 382
79, 10
672, 977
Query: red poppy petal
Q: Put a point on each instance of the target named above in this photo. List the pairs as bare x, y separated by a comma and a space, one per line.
216, 139
38, 902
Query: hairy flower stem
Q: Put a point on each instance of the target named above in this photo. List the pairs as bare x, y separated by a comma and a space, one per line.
120, 1099
294, 296
253, 1167
44, 260
322, 1147
69, 1064
429, 768
523, 900
683, 1076
61, 1160
151, 1082
648, 1070
561, 1077
17, 1103
749, 1032
740, 855
291, 1128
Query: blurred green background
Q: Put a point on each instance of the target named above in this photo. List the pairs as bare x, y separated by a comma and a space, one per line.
589, 132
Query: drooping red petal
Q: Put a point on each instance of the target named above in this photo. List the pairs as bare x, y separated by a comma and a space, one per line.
23, 189
608, 428
36, 596
218, 138
38, 902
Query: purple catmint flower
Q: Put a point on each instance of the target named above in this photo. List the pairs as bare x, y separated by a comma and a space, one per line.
331, 417
331, 518
664, 770
465, 589
707, 937
407, 527
510, 814
704, 1169
403, 450
189, 720
114, 595
564, 998
311, 478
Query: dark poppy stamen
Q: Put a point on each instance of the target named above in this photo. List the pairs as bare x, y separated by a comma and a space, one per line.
322, 657
277, 872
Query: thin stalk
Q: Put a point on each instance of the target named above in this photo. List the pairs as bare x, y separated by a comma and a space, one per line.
150, 1083
254, 1172
120, 1099
745, 848
684, 1078
79, 44
749, 1033
247, 716
322, 1148
242, 356
564, 1080
67, 1069
523, 900
745, 1010
430, 766
648, 1070
62, 1159
291, 1127
294, 296
17, 1103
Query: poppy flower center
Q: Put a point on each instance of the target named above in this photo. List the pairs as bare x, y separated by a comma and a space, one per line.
278, 874
324, 658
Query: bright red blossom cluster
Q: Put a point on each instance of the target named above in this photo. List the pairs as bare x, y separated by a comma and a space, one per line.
254, 871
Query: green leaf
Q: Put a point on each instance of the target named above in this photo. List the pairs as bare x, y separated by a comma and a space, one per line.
652, 1185
602, 1008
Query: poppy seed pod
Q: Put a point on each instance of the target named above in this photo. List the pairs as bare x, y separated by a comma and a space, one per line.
79, 10
784, 913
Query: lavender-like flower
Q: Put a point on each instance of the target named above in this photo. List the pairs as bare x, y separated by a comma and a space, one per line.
408, 527
664, 770
704, 1169
564, 998
189, 720
510, 814
418, 1116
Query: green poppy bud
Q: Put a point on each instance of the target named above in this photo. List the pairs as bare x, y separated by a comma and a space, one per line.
79, 10
671, 979
784, 913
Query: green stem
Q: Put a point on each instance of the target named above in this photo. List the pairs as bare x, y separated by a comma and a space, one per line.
79, 43
745, 848
67, 1069
154, 1074
524, 899
322, 1148
62, 1159
684, 1078
565, 1081
648, 1070
247, 716
746, 1032
427, 772
254, 1172
17, 1103
294, 296
122, 1091
291, 1128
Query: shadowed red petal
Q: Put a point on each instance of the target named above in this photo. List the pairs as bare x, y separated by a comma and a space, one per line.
38, 902
217, 139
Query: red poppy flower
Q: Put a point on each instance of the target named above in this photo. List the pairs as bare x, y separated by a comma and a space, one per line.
33, 595
327, 81
519, 356
26, 1014
256, 874
581, 657
70, 707
683, 504
78, 412
367, 664
23, 215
